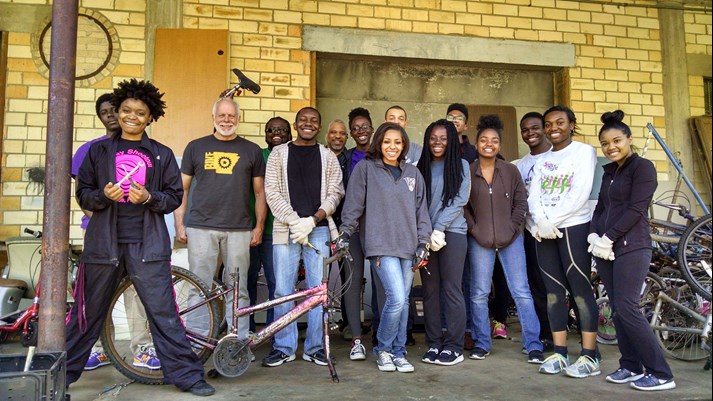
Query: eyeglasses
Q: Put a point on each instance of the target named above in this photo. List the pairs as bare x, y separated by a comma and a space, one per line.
455, 118
365, 127
276, 130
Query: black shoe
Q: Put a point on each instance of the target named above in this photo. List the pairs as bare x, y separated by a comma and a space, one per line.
277, 358
319, 357
449, 358
202, 389
536, 357
430, 355
479, 353
409, 338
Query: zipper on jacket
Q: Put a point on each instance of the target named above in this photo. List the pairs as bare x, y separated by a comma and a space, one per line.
492, 213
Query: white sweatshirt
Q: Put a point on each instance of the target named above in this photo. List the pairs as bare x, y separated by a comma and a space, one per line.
561, 184
526, 165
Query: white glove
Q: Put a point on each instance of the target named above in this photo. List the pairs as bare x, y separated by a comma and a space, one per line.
592, 239
301, 229
603, 248
438, 240
547, 230
535, 233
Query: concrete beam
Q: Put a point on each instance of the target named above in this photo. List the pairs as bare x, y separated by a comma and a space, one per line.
437, 47
15, 17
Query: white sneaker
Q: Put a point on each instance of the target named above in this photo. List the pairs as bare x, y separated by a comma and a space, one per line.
402, 365
358, 352
386, 364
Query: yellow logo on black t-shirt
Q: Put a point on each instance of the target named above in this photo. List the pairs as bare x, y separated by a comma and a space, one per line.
221, 162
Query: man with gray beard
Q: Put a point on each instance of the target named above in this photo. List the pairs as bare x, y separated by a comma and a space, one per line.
228, 169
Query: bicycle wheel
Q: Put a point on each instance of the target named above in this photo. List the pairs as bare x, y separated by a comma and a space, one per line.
121, 330
694, 256
672, 323
606, 333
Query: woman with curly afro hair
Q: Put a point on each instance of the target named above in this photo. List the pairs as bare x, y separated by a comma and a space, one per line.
129, 182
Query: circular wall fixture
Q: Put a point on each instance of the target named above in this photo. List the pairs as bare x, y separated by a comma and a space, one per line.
98, 47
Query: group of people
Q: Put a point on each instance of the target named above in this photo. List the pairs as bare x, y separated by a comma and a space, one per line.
392, 203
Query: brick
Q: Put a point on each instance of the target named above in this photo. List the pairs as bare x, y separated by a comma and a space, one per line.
131, 5
197, 10
614, 53
260, 65
243, 26
644, 77
556, 15
329, 7
295, 106
11, 203
454, 5
399, 25
132, 58
629, 87
14, 118
107, 4
14, 161
20, 105
257, 40
590, 73
19, 51
562, 4
606, 41
227, 12
469, 19
638, 33
504, 33
371, 23
611, 30
190, 22
433, 4
490, 20
531, 12
641, 55
629, 65
519, 23
602, 18
344, 21
387, 12
257, 14
117, 17
125, 31
17, 38
428, 27
591, 51
550, 36
624, 20
245, 52
441, 16
21, 64
579, 16
614, 75
640, 98
275, 54
36, 119
276, 104
616, 97
360, 10
289, 93
272, 29
303, 5
505, 9
525, 34
13, 146
418, 15
212, 23
275, 4
594, 29
288, 42
21, 217
137, 19
593, 96
582, 84
315, 19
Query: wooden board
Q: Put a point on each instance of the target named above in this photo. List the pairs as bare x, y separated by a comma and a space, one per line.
703, 142
191, 66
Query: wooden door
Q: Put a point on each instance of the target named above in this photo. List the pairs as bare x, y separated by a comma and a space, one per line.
191, 66
511, 127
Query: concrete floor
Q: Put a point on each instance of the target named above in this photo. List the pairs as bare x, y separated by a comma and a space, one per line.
504, 375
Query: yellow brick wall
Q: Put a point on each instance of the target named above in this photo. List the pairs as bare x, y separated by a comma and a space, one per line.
618, 64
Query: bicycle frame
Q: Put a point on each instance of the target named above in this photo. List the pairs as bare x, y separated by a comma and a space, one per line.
703, 332
312, 298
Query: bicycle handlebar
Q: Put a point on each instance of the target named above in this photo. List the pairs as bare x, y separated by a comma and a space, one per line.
243, 83
36, 234
681, 209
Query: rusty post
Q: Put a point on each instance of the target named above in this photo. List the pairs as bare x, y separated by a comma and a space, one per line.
60, 121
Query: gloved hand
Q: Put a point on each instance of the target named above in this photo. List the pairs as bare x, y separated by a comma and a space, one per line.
438, 240
536, 233
301, 229
547, 230
592, 238
603, 248
421, 258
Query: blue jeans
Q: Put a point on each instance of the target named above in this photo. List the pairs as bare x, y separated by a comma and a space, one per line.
396, 276
512, 257
287, 259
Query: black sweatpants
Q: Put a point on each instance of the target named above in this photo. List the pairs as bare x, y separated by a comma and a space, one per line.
153, 284
623, 278
537, 285
351, 305
443, 296
566, 266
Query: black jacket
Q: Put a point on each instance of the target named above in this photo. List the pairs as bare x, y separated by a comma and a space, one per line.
468, 151
98, 169
622, 208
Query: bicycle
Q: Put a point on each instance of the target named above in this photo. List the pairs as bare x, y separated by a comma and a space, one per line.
26, 322
231, 356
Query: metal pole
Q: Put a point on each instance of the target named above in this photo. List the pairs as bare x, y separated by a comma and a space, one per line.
60, 120
678, 167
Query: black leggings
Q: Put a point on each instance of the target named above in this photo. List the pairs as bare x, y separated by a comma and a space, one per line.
566, 266
351, 307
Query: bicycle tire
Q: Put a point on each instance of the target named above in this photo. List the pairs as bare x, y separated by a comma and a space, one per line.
606, 332
694, 256
683, 346
116, 336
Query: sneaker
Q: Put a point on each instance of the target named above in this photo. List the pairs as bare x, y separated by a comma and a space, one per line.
358, 352
430, 355
468, 343
384, 361
147, 359
584, 367
535, 356
651, 383
499, 330
96, 359
621, 376
554, 364
449, 358
479, 353
319, 357
202, 389
402, 365
277, 358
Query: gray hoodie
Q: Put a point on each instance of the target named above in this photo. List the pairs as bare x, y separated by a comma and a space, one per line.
391, 215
